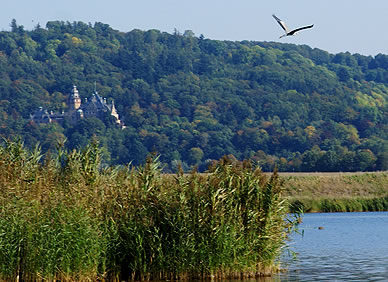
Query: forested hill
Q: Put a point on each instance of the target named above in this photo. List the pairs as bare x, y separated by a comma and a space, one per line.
192, 99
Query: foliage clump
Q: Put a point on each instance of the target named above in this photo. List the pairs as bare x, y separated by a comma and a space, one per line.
193, 99
67, 217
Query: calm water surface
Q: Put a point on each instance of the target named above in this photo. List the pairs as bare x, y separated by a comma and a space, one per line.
350, 247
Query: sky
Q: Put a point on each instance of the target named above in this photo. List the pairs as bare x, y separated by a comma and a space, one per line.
355, 26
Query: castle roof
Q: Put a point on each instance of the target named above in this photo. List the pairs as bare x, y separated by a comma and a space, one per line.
96, 104
41, 114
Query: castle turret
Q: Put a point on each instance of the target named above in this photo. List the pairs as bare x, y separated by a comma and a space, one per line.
115, 114
113, 111
74, 100
74, 103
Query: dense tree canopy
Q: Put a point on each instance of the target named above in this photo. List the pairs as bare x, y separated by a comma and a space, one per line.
193, 100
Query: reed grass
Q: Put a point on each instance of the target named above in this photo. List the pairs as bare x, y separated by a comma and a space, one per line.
64, 217
339, 205
339, 192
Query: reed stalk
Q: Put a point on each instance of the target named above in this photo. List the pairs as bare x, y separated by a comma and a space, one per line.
65, 217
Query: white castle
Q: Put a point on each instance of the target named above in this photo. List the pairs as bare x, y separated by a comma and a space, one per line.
96, 106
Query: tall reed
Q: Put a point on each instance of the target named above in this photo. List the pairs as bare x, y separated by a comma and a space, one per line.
44, 232
356, 204
66, 217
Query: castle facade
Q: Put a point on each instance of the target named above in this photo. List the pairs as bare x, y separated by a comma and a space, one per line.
95, 106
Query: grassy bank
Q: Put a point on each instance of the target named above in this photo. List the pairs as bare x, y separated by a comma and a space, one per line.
66, 218
337, 192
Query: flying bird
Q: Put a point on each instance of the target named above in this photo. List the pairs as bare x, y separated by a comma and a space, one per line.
287, 30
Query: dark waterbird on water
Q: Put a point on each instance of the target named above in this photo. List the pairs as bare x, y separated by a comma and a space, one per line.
287, 30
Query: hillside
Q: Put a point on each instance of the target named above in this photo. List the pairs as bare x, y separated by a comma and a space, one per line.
193, 100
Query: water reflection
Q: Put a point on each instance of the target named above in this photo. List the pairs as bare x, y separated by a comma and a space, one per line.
350, 247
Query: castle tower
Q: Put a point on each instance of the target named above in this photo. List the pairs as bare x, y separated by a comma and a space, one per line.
74, 100
74, 104
114, 112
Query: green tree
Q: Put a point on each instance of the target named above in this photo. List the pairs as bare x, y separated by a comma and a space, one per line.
382, 161
195, 155
365, 160
311, 158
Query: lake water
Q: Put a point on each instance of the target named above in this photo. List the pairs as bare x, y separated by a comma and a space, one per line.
350, 247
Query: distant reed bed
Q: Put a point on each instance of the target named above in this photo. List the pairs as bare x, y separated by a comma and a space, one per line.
337, 192
65, 217
339, 205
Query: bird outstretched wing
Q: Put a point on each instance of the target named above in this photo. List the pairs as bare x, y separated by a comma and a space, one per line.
281, 23
300, 28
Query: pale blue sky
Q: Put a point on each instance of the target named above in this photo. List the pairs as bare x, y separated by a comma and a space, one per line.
357, 26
